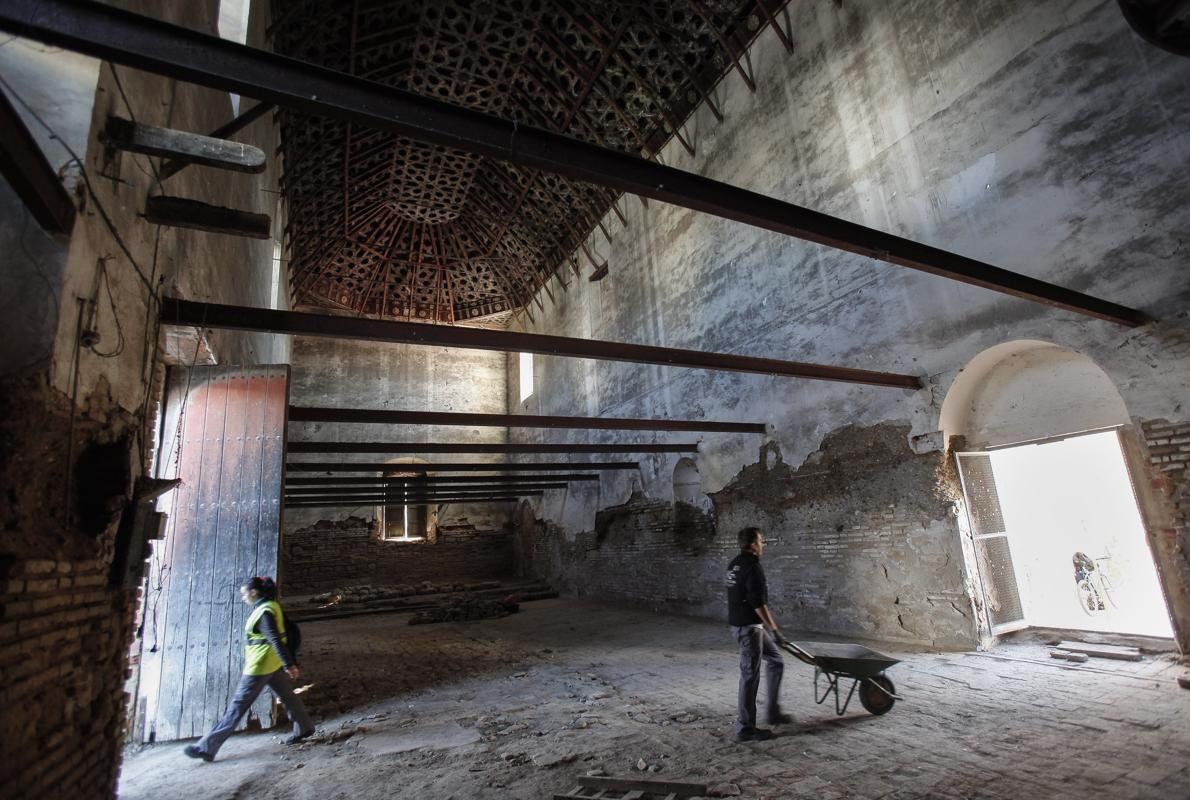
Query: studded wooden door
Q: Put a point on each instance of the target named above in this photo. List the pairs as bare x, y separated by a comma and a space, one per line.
223, 434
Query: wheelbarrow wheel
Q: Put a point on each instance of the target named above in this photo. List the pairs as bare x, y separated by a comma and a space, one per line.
872, 698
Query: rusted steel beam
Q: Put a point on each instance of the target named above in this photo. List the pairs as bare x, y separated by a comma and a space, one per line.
143, 43
735, 55
30, 175
763, 5
393, 417
407, 488
440, 501
444, 480
473, 466
211, 315
400, 494
464, 447
181, 212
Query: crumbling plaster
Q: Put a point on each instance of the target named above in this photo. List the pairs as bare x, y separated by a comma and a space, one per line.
1044, 138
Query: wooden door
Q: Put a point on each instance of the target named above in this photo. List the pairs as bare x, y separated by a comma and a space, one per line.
993, 556
224, 436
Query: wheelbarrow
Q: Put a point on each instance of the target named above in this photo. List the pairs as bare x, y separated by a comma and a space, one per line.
835, 661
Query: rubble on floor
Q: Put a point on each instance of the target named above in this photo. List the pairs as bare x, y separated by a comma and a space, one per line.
463, 601
468, 607
367, 593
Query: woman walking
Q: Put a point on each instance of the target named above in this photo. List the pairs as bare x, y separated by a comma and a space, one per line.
267, 662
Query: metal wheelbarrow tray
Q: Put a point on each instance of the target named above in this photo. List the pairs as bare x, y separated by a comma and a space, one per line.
863, 666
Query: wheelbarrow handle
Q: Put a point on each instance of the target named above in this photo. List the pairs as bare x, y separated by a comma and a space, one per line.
799, 652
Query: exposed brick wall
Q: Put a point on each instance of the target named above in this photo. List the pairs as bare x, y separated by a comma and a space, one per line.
331, 554
1168, 446
63, 634
862, 542
1169, 450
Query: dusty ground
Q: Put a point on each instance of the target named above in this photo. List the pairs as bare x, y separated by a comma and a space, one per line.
516, 707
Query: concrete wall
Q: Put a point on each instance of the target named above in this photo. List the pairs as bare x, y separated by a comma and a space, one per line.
340, 373
75, 422
1045, 138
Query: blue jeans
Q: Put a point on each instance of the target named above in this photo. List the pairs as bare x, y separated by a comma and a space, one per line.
756, 643
251, 686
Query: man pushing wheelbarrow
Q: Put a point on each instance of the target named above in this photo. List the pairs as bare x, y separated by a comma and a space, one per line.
760, 639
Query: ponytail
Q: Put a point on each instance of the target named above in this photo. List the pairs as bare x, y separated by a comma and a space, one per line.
265, 587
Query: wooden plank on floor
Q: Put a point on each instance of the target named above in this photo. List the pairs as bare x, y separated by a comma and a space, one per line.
677, 788
1116, 652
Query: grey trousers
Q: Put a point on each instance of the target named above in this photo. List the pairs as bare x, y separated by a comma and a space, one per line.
756, 643
246, 693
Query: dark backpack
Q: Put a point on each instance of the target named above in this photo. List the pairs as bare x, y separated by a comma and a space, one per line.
293, 632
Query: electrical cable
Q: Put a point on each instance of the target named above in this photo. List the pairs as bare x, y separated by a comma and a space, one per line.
107, 221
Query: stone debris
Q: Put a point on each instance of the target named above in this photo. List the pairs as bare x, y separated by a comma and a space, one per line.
1065, 655
467, 607
723, 790
366, 593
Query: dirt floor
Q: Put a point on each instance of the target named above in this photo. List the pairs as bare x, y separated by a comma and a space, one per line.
518, 707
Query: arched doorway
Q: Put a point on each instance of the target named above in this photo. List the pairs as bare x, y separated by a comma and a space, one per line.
1057, 538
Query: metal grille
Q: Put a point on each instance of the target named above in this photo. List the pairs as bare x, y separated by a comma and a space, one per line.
999, 580
384, 225
983, 500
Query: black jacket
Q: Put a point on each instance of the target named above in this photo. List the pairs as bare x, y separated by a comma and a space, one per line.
747, 590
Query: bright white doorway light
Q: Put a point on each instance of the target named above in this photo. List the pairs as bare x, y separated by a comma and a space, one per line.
1074, 496
526, 372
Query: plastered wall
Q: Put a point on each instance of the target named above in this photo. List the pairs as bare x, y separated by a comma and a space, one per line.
339, 373
1045, 138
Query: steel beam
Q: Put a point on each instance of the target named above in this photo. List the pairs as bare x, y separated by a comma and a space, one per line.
463, 447
30, 175
240, 318
476, 488
402, 497
476, 466
353, 503
120, 36
444, 480
447, 418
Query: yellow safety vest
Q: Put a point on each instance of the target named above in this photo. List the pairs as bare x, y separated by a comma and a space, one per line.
259, 656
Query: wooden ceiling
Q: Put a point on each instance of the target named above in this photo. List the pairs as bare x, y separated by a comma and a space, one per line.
387, 226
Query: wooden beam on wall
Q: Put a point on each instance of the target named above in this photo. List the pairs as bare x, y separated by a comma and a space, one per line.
181, 212
182, 146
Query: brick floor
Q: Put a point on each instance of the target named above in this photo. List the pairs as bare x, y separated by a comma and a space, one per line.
566, 687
